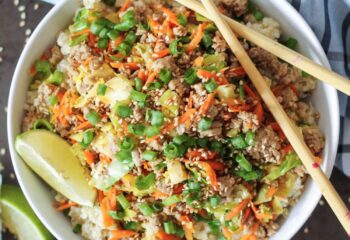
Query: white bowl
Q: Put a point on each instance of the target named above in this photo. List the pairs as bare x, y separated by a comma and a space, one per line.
39, 194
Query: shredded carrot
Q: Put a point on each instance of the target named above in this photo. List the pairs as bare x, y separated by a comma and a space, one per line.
239, 108
165, 29
151, 78
65, 206
153, 25
125, 6
89, 156
271, 192
131, 66
276, 127
207, 104
151, 139
159, 195
187, 226
119, 234
196, 38
259, 111
162, 53
198, 61
80, 32
207, 74
83, 126
142, 74
227, 233
237, 209
118, 41
170, 14
100, 195
202, 155
217, 166
210, 173
238, 71
105, 159
250, 92
287, 148
125, 127
87, 61
164, 236
259, 215
108, 204
246, 215
190, 101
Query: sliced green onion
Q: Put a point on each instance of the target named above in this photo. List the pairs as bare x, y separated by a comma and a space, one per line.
43, 66
124, 111
291, 43
258, 15
77, 40
127, 144
171, 150
239, 142
109, 2
180, 139
205, 124
128, 22
88, 137
194, 186
138, 96
157, 206
56, 78
182, 19
160, 166
180, 233
250, 138
243, 162
216, 146
130, 38
190, 76
101, 89
207, 40
97, 26
146, 210
169, 227
171, 200
103, 33
131, 226
53, 100
137, 129
157, 118
93, 117
142, 104
241, 92
211, 85
149, 155
113, 34
174, 48
165, 75
155, 85
124, 48
77, 228
250, 176
79, 26
214, 201
138, 84
214, 226
124, 156
152, 131
202, 142
116, 215
145, 182
123, 201
304, 74
102, 43
42, 124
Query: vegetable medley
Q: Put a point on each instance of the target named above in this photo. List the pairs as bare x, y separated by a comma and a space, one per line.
172, 133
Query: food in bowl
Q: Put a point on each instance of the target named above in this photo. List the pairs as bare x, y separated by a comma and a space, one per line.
168, 126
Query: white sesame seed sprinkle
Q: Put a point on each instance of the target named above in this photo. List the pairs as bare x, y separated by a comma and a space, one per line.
5, 109
15, 2
2, 151
36, 6
23, 15
22, 23
321, 202
21, 8
306, 230
1, 59
1, 49
12, 176
28, 31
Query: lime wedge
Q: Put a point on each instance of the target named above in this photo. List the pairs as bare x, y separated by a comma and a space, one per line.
19, 218
52, 159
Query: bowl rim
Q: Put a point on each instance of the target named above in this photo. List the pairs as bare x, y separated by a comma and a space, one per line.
309, 35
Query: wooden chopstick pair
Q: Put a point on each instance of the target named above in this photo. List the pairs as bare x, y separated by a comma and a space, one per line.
296, 139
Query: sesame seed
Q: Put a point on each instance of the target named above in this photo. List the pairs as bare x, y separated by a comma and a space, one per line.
1, 59
12, 176
5, 109
2, 151
22, 23
321, 202
1, 49
23, 15
306, 230
36, 6
21, 8
15, 2
28, 32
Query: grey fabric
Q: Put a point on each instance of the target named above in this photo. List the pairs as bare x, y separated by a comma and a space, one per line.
330, 20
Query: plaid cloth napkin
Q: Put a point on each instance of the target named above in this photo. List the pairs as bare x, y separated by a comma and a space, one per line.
330, 20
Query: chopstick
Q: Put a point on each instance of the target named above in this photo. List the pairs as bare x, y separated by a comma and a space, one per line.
294, 58
289, 129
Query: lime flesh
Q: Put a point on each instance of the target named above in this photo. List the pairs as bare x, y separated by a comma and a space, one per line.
19, 218
50, 156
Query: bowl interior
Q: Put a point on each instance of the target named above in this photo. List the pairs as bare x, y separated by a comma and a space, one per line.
39, 194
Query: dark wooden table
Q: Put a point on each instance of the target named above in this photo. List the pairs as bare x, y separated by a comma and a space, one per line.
322, 225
